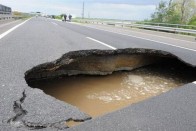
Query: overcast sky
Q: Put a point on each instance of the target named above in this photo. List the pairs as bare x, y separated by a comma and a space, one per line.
111, 9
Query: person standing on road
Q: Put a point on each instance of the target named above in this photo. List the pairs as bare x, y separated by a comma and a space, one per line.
70, 17
65, 17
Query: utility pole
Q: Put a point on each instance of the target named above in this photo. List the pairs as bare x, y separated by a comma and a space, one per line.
83, 11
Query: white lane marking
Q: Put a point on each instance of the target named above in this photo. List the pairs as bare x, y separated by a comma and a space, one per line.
102, 43
194, 82
54, 23
143, 38
12, 29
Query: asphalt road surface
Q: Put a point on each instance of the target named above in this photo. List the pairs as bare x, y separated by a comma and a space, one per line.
25, 44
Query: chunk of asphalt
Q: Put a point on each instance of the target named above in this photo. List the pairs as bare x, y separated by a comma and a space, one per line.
51, 112
33, 109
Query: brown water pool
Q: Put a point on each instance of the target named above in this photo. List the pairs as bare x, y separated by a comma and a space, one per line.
98, 95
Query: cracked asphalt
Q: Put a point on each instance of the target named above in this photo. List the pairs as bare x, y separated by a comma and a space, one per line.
39, 40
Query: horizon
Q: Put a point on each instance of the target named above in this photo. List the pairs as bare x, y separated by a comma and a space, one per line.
109, 9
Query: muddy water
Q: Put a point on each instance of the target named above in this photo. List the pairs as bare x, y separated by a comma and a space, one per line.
97, 95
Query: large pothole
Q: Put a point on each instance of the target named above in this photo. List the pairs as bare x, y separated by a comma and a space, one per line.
99, 82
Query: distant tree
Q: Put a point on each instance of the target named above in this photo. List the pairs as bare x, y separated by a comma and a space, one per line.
186, 8
176, 11
172, 16
160, 12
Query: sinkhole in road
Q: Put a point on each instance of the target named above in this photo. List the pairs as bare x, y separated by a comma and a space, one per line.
98, 95
102, 81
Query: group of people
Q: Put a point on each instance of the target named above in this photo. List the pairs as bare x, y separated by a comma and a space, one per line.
65, 17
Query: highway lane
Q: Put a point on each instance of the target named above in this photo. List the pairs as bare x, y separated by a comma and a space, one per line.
149, 36
41, 40
116, 39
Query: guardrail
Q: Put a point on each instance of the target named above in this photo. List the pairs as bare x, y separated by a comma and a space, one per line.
8, 17
5, 16
169, 25
175, 28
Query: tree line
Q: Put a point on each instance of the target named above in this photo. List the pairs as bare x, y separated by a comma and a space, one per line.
175, 12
